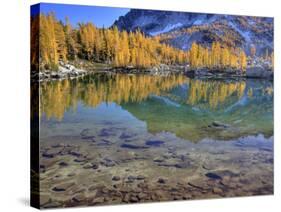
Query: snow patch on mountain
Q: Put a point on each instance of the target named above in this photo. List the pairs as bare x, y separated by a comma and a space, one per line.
197, 22
168, 28
143, 20
245, 34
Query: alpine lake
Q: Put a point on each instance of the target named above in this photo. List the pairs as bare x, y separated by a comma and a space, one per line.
110, 138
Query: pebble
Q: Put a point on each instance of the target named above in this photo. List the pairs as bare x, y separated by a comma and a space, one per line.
47, 163
91, 166
71, 174
75, 153
78, 198
133, 146
154, 143
79, 160
158, 160
85, 133
63, 187
106, 133
58, 145
52, 205
126, 198
126, 135
225, 180
142, 195
51, 153
133, 198
104, 142
218, 124
98, 200
161, 180
197, 184
213, 176
116, 178
232, 185
63, 163
140, 177
182, 165
217, 190
208, 167
44, 199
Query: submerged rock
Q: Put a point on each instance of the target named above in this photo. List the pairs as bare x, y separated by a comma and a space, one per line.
217, 190
140, 177
58, 145
98, 200
80, 160
133, 198
107, 162
155, 143
220, 124
79, 198
52, 205
85, 132
133, 146
195, 186
162, 181
104, 142
63, 164
158, 160
126, 135
213, 176
209, 166
106, 133
52, 152
75, 153
116, 178
91, 166
48, 163
63, 187
183, 165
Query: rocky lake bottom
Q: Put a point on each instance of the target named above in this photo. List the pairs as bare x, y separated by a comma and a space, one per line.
123, 167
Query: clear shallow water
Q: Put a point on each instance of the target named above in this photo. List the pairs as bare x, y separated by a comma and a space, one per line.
204, 138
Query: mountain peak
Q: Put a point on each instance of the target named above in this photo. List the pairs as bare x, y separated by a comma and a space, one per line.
180, 29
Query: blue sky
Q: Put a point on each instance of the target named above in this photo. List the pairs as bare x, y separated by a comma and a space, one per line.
100, 16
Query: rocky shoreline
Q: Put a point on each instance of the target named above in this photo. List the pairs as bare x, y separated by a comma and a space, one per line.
67, 71
64, 71
251, 72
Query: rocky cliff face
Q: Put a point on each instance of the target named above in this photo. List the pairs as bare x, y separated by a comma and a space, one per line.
180, 29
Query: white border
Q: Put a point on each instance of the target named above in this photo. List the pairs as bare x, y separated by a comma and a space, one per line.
14, 82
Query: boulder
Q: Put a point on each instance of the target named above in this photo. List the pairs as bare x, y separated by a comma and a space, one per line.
201, 72
57, 75
63, 69
164, 67
69, 67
